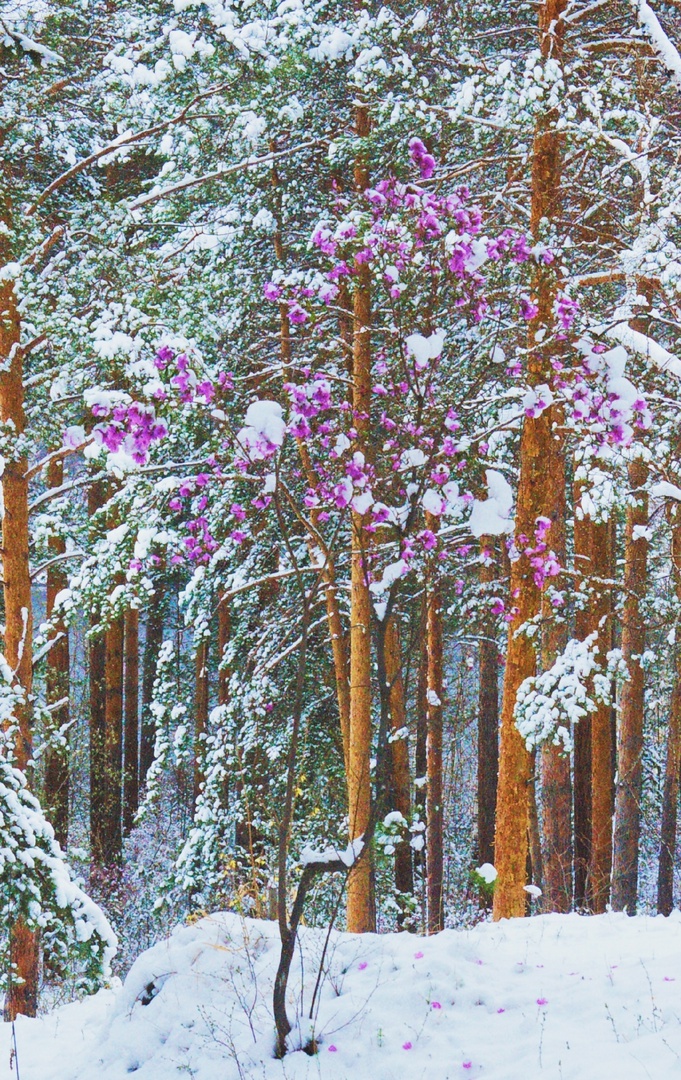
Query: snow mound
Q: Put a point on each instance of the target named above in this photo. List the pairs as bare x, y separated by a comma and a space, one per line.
555, 996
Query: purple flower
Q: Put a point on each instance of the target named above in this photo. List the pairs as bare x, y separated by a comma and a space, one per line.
271, 291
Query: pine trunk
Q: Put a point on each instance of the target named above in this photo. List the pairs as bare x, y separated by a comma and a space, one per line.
670, 796
112, 839
57, 684
224, 630
153, 639
630, 741
22, 995
582, 730
399, 758
200, 713
488, 718
132, 731
97, 688
554, 762
600, 860
540, 456
361, 914
434, 789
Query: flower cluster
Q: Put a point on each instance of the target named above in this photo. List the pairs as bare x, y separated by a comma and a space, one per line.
131, 427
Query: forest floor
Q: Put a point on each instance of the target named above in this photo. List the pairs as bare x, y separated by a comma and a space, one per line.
556, 996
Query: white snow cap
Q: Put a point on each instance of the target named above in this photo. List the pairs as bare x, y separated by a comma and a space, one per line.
264, 423
487, 872
492, 516
425, 349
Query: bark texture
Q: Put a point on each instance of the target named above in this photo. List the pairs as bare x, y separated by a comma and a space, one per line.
400, 782
200, 712
153, 639
434, 790
112, 835
536, 487
554, 762
488, 718
600, 858
582, 730
22, 995
361, 914
132, 733
630, 737
57, 683
670, 796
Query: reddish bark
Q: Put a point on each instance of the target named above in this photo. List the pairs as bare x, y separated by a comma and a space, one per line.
57, 680
540, 457
132, 732
600, 860
488, 717
200, 712
630, 740
22, 995
400, 779
434, 792
361, 914
670, 796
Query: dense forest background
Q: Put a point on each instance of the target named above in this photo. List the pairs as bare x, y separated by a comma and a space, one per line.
339, 403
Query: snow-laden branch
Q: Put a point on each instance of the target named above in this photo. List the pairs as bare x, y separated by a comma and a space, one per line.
659, 39
127, 139
643, 345
245, 163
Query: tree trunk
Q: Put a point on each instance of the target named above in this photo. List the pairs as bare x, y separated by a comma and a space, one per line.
600, 860
132, 731
22, 995
630, 742
224, 630
670, 797
399, 756
112, 839
488, 717
97, 671
361, 914
539, 456
57, 680
434, 793
582, 730
554, 762
153, 639
200, 712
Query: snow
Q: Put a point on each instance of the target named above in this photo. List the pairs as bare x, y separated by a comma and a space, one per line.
491, 517
662, 45
487, 872
425, 349
556, 996
664, 490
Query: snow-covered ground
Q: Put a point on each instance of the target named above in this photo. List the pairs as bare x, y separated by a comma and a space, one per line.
564, 997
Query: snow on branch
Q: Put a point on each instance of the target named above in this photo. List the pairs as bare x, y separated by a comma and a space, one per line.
550, 703
246, 163
645, 346
660, 41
